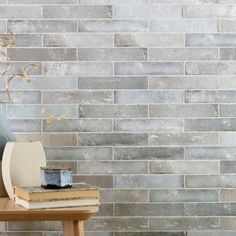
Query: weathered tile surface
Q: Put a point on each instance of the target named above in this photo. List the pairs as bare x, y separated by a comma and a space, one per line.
78, 97
183, 54
11, 12
68, 164
184, 223
19, 125
78, 68
151, 181
210, 40
109, 167
218, 124
35, 226
105, 210
124, 195
227, 25
153, 209
113, 82
28, 40
210, 96
26, 97
227, 54
183, 82
149, 68
57, 1
149, 153
210, 68
117, 224
184, 167
228, 195
228, 223
112, 54
142, 94
228, 138
184, 25
78, 40
148, 96
24, 2
114, 2
211, 233
113, 111
214, 11
77, 11
179, 139
210, 209
16, 67
184, 195
31, 111
102, 181
3, 26
147, 11
60, 139
36, 54
78, 153
149, 40
113, 139
44, 26
227, 82
151, 125
185, 110
210, 153
227, 110
228, 167
149, 234
82, 125
44, 83
20, 234
112, 26
210, 181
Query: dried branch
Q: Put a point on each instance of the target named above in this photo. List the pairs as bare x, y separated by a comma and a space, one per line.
52, 118
6, 42
5, 71
23, 75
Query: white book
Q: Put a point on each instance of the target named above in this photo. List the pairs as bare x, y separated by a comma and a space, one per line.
56, 204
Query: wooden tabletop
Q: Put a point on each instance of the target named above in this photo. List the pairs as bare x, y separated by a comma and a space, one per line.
9, 211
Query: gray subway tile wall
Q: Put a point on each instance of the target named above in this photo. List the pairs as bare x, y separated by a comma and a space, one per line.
148, 91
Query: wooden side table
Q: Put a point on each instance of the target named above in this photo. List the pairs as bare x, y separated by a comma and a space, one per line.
72, 218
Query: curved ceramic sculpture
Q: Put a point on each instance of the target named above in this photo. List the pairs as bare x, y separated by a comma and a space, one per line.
5, 136
21, 164
5, 132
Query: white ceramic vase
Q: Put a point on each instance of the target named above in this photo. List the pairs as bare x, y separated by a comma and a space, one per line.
21, 164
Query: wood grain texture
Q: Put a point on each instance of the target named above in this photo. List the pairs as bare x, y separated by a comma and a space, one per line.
75, 228
9, 211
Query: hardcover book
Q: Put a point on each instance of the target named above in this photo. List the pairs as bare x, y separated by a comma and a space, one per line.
56, 204
81, 190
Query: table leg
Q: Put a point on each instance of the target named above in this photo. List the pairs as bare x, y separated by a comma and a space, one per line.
68, 228
78, 228
73, 228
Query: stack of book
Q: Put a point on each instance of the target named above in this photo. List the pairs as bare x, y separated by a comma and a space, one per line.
38, 198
